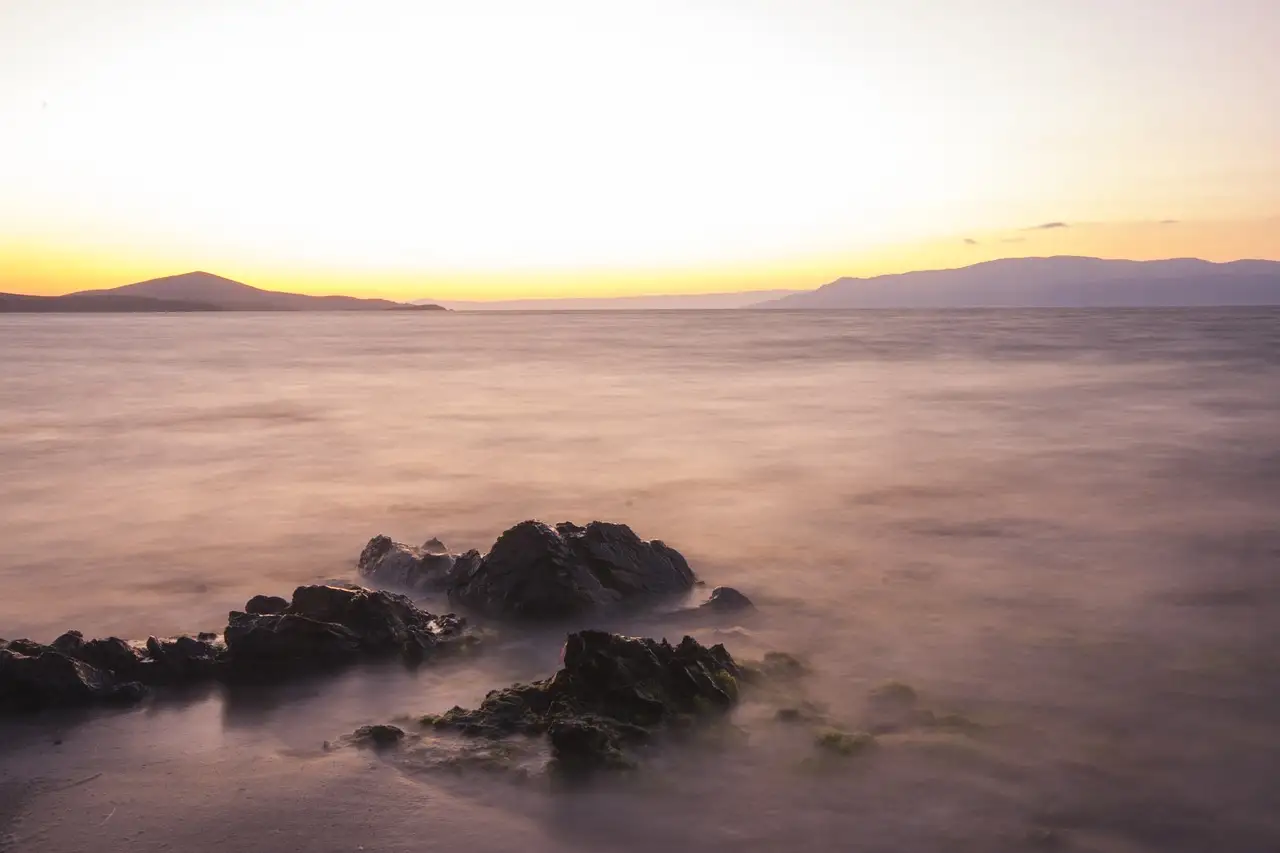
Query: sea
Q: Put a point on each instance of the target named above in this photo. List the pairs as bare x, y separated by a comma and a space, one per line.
1060, 528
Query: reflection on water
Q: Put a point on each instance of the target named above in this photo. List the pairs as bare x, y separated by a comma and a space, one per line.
1058, 525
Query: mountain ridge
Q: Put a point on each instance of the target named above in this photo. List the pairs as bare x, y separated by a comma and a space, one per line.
224, 294
1061, 281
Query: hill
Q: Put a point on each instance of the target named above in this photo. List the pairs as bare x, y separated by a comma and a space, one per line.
16, 303
223, 294
1056, 282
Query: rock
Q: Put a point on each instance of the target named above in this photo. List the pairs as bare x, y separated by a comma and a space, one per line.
322, 626
266, 604
181, 659
843, 743
26, 647
281, 640
612, 692
726, 599
50, 678
111, 654
534, 571
383, 621
395, 564
378, 736
326, 624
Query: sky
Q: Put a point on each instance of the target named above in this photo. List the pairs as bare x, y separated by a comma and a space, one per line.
487, 149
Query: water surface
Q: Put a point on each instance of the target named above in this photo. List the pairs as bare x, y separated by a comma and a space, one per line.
1060, 525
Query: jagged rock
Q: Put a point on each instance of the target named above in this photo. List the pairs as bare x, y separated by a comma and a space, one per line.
181, 659
261, 605
321, 626
534, 571
726, 599
286, 640
112, 653
612, 692
50, 678
395, 564
377, 736
26, 647
326, 624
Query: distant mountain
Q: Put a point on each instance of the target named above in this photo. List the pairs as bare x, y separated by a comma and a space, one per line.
1057, 282
15, 303
685, 301
223, 294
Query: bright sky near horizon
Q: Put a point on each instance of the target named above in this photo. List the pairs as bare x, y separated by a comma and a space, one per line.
502, 148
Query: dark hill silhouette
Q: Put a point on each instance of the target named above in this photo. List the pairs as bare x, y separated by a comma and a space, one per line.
226, 295
106, 303
1056, 282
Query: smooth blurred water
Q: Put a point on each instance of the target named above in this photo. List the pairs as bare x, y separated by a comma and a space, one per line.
1062, 525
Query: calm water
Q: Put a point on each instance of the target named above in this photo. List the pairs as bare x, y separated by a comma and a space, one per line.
1062, 525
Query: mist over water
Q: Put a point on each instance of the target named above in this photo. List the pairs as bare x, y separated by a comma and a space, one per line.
1061, 525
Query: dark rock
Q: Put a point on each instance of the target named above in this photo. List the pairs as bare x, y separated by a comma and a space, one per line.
534, 571
383, 621
726, 599
286, 640
612, 691
266, 604
50, 678
776, 666
322, 626
378, 736
111, 654
391, 563
181, 659
327, 624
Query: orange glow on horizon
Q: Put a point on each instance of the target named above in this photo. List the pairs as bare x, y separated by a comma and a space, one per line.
52, 270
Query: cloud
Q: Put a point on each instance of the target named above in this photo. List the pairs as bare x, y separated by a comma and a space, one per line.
1168, 222
1046, 226
1014, 240
969, 241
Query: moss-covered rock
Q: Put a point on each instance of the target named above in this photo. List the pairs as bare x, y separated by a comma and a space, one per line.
837, 742
613, 693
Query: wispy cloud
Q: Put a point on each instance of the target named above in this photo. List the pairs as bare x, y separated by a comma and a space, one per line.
1046, 226
1168, 222
969, 241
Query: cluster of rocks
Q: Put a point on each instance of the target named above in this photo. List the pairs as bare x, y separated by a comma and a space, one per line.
611, 694
321, 626
612, 690
536, 571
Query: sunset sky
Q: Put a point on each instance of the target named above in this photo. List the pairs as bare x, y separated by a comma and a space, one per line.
482, 149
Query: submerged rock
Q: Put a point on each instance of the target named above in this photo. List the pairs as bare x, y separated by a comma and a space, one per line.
726, 599
535, 571
377, 736
612, 692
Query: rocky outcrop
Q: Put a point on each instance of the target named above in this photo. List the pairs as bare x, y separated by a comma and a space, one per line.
41, 677
726, 599
535, 571
321, 626
264, 604
612, 693
430, 568
327, 624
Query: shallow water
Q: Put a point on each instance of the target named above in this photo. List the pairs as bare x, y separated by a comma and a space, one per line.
1060, 525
